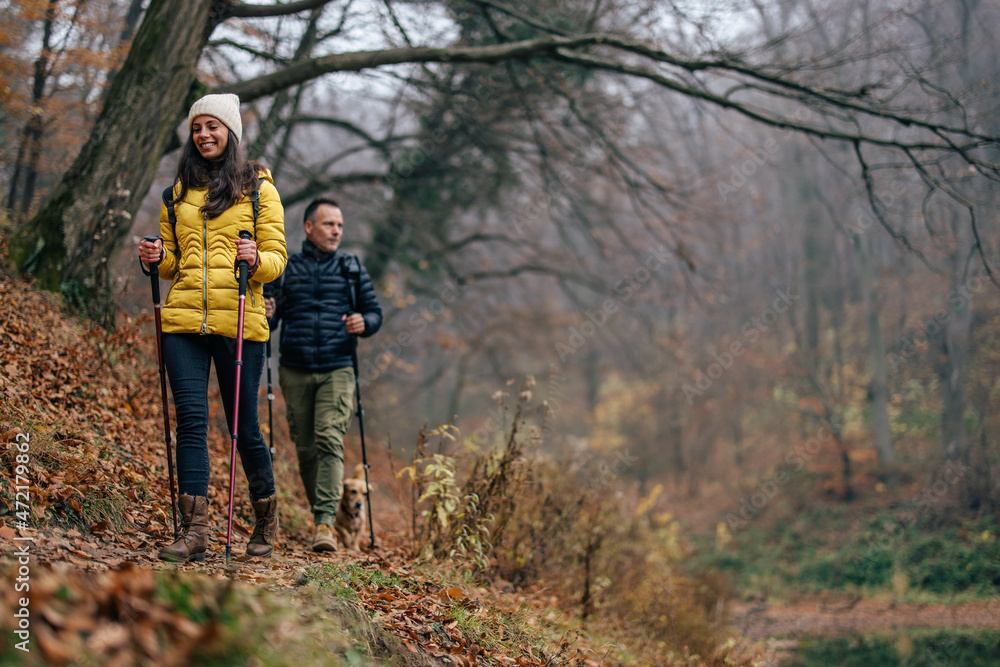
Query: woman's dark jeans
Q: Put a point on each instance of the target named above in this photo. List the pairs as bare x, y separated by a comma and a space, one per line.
188, 359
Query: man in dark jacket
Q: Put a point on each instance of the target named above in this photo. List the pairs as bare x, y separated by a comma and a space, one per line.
324, 300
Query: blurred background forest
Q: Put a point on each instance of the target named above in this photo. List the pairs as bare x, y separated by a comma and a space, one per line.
747, 252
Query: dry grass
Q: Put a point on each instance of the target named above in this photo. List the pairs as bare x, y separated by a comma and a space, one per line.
608, 568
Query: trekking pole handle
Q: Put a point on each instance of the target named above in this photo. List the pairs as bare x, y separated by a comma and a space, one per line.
154, 270
244, 265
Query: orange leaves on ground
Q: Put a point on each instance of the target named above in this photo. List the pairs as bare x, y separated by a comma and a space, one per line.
423, 616
73, 391
89, 400
111, 617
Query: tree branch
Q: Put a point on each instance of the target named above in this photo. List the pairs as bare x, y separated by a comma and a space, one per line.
378, 144
243, 10
358, 60
520, 16
532, 269
317, 185
778, 122
265, 55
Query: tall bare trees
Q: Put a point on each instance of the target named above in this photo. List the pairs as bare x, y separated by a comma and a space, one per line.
72, 237
515, 165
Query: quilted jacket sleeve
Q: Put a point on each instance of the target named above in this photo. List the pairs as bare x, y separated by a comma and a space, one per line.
270, 235
169, 263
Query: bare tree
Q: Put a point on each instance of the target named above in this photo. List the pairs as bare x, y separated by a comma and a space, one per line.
73, 236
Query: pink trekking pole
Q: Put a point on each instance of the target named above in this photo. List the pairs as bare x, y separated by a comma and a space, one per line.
243, 269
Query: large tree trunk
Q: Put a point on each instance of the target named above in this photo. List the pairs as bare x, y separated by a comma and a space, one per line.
956, 347
958, 327
73, 239
880, 376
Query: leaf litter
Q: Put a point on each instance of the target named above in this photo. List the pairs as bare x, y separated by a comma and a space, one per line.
88, 401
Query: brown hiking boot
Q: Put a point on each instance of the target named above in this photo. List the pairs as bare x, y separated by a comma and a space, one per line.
323, 539
190, 546
265, 530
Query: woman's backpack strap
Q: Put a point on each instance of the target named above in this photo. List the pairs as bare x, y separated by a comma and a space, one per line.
255, 201
168, 200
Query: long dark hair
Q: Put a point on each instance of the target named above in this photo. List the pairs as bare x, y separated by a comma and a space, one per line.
228, 179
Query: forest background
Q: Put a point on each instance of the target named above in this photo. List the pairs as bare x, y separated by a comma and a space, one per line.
745, 252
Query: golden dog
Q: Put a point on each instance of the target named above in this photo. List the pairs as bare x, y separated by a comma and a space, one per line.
350, 519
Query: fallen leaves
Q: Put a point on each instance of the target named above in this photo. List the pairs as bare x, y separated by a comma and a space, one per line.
97, 459
72, 391
424, 615
452, 593
111, 617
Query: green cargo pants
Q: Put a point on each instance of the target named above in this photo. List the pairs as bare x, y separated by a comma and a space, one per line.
319, 407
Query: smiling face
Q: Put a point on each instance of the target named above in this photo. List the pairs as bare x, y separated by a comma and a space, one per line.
210, 136
326, 227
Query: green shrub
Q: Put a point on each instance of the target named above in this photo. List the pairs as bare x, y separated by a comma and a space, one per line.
789, 557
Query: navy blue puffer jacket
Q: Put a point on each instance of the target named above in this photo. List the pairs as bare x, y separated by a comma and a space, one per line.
311, 297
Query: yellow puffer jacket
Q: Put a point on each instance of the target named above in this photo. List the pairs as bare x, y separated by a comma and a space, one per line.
204, 293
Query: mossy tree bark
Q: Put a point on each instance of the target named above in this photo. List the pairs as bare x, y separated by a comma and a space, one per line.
73, 237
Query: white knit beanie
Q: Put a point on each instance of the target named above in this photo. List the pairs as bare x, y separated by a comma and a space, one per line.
225, 107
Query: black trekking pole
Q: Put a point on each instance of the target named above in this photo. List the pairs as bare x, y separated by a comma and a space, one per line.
270, 399
243, 269
154, 279
361, 429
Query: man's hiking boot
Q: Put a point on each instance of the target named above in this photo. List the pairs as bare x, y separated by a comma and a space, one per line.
265, 530
193, 540
323, 539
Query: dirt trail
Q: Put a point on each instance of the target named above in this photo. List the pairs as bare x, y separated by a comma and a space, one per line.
89, 552
81, 423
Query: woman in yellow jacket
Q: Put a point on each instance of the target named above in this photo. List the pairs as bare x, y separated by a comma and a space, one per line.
212, 204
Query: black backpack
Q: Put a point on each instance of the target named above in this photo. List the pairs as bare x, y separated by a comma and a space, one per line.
350, 268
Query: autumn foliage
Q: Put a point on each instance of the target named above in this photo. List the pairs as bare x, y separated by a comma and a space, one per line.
51, 94
88, 398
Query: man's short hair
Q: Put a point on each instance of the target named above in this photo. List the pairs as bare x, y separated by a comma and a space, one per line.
315, 204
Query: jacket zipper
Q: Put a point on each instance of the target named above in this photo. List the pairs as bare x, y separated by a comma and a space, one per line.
316, 296
204, 273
